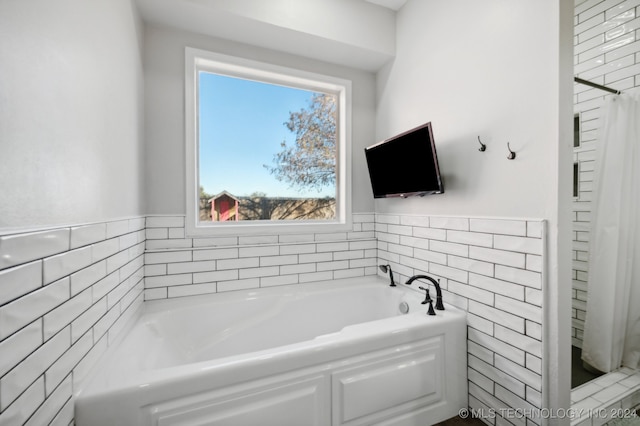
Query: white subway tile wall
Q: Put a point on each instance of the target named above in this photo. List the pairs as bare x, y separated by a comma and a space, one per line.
482, 266
176, 266
607, 51
63, 303
65, 294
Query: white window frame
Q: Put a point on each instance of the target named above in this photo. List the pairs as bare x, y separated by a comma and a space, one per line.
197, 60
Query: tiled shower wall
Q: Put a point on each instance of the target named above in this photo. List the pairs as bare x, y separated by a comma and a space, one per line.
178, 266
65, 294
607, 51
493, 270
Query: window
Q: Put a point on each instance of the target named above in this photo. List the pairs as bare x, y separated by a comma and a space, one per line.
267, 147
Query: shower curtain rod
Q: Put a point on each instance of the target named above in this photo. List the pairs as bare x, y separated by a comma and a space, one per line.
597, 86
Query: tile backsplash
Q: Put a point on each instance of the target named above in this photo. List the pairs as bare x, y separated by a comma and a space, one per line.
66, 293
178, 266
491, 268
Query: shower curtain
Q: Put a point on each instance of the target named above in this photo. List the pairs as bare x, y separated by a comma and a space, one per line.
612, 327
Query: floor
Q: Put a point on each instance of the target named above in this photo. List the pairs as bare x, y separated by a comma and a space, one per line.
459, 421
611, 399
579, 375
592, 394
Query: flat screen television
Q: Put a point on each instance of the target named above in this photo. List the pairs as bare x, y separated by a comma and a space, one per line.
405, 165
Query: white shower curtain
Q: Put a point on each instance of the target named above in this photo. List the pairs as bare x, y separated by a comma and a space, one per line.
612, 328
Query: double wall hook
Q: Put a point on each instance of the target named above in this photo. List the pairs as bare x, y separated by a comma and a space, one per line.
512, 154
483, 147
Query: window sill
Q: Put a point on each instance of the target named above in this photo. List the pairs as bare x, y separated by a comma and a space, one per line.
261, 228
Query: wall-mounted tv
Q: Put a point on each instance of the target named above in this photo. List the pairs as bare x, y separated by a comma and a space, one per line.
405, 165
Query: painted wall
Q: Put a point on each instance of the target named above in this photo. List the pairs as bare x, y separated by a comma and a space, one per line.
492, 72
606, 52
164, 112
70, 112
71, 150
481, 73
356, 34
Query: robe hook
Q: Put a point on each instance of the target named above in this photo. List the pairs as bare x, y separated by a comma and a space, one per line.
483, 147
512, 154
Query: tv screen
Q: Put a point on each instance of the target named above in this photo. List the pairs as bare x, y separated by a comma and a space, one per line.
405, 165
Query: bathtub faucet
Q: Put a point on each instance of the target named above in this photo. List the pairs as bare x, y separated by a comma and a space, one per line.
439, 305
385, 269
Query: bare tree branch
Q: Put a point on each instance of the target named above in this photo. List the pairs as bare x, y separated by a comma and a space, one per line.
311, 161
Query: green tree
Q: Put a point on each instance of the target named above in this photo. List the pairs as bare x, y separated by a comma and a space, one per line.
204, 194
310, 163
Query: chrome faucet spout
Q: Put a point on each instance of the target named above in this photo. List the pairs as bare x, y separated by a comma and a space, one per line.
436, 284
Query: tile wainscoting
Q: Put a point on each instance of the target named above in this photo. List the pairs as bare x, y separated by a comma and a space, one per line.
493, 269
65, 294
177, 266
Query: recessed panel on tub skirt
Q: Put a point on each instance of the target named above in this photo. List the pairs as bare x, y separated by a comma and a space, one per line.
391, 387
271, 403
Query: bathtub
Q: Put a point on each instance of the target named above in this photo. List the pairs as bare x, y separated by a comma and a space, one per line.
330, 353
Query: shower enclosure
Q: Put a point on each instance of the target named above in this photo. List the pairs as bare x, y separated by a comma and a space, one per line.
606, 53
612, 325
606, 219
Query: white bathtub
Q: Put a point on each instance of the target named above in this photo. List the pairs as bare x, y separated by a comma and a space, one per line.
334, 353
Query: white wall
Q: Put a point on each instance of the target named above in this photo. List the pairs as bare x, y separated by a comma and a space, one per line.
357, 34
499, 70
70, 112
71, 150
164, 112
485, 72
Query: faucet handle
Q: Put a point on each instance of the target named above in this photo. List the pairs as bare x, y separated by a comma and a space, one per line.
427, 298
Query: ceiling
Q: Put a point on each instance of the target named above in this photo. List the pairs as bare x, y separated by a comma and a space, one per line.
389, 4
355, 33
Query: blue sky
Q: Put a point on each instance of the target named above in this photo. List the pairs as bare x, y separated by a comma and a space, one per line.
241, 128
